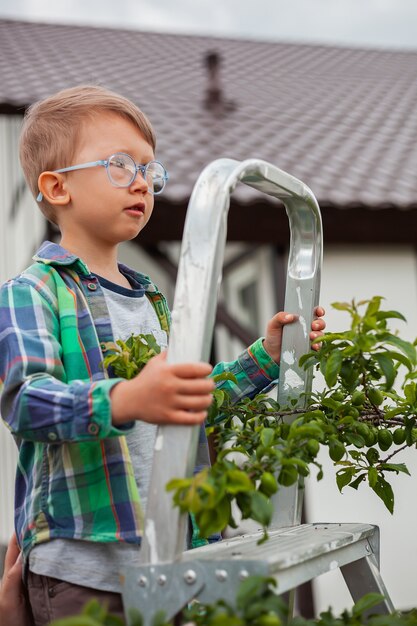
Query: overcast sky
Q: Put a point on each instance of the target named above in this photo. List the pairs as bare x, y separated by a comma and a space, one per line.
386, 23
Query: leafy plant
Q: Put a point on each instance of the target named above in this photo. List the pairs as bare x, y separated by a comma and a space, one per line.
360, 418
257, 604
128, 358
93, 614
364, 418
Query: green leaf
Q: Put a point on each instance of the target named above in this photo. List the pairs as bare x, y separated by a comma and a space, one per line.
395, 467
252, 588
135, 617
177, 483
305, 431
152, 343
334, 363
387, 368
372, 476
410, 392
342, 306
77, 620
307, 359
261, 508
238, 481
373, 306
355, 439
267, 436
331, 404
214, 520
366, 602
219, 397
355, 483
225, 376
159, 619
343, 477
384, 315
406, 348
397, 356
384, 491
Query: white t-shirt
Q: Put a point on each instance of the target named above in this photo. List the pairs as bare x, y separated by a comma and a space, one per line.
88, 563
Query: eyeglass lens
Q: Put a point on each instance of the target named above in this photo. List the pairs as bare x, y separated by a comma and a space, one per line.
122, 170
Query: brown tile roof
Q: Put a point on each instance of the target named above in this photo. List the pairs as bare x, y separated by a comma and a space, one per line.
343, 120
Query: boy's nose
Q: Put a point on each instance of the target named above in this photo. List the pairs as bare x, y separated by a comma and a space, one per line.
139, 183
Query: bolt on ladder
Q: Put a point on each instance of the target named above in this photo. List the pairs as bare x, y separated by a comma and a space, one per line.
167, 578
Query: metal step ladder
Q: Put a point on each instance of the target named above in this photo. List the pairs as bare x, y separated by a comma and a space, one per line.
167, 578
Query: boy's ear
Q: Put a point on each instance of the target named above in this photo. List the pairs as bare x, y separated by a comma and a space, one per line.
54, 188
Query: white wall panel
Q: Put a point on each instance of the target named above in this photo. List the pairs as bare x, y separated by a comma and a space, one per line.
21, 231
361, 273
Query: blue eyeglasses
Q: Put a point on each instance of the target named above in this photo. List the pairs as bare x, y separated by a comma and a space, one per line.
122, 170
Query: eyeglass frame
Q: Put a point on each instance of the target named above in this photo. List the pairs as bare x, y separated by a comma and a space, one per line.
105, 163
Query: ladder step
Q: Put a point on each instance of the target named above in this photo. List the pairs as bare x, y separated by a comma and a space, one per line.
323, 546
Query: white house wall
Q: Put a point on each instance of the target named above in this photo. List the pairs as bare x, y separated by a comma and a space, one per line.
358, 272
21, 230
361, 272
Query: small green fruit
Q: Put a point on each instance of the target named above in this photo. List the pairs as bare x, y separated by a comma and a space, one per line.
363, 430
358, 398
372, 436
268, 620
313, 447
268, 484
336, 450
375, 396
399, 436
288, 475
384, 439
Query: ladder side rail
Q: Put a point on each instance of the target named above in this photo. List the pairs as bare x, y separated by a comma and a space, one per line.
363, 576
193, 316
301, 297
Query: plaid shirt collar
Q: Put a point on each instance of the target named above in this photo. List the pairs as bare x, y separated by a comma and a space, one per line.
55, 255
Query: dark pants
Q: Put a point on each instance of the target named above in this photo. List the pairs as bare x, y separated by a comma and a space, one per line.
52, 599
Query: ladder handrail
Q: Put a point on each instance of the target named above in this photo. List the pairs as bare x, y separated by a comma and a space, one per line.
193, 316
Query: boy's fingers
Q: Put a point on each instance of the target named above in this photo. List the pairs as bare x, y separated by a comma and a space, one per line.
318, 325
196, 386
194, 403
192, 370
282, 318
188, 418
319, 311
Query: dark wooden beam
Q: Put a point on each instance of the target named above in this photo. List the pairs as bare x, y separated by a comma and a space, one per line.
267, 224
262, 222
6, 108
222, 315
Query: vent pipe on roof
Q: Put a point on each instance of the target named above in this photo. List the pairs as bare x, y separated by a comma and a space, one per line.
215, 100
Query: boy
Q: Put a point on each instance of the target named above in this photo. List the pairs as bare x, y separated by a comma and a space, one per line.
86, 440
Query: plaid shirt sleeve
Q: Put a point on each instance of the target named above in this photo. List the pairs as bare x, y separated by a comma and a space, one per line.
254, 370
38, 403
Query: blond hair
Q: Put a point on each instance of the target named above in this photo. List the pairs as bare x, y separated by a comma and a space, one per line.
51, 130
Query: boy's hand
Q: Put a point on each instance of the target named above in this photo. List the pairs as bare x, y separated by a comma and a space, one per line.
13, 608
164, 393
273, 339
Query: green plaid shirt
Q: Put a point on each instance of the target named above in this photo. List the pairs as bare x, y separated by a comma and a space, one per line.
74, 476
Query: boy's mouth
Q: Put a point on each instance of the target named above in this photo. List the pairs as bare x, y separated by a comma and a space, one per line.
136, 208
